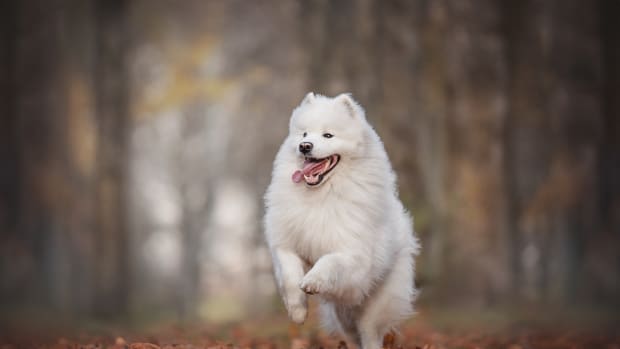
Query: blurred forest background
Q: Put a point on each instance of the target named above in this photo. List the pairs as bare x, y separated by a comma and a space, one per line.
137, 137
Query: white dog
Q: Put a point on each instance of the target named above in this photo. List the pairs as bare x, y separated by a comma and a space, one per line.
335, 226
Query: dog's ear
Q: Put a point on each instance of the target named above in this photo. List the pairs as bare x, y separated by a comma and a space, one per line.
353, 108
308, 99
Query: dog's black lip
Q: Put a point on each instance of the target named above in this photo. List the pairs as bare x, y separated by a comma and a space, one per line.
328, 171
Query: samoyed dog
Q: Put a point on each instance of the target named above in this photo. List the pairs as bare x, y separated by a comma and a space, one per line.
335, 226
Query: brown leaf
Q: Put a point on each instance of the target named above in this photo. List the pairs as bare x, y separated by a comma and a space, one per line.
388, 340
144, 346
298, 343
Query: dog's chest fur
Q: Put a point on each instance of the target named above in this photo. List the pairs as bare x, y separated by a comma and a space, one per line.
337, 223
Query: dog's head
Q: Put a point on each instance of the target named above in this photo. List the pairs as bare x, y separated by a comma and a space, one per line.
325, 132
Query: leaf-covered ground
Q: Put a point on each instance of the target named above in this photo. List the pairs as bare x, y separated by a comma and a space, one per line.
441, 330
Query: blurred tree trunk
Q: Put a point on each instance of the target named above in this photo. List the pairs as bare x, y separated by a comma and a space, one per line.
430, 99
9, 151
476, 78
609, 170
576, 125
112, 113
550, 142
50, 113
609, 150
610, 162
38, 121
513, 17
192, 226
196, 201
9, 158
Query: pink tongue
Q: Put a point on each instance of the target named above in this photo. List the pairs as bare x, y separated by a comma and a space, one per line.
297, 176
310, 166
307, 169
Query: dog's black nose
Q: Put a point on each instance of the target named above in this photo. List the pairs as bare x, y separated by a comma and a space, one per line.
305, 147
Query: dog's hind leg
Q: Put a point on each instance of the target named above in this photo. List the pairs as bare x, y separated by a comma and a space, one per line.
390, 304
342, 319
369, 337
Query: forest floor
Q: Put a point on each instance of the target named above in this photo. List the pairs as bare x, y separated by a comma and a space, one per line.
432, 329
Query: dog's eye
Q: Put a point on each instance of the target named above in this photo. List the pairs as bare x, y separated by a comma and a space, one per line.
328, 135
305, 134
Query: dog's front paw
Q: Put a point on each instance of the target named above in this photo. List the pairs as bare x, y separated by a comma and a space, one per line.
298, 313
313, 283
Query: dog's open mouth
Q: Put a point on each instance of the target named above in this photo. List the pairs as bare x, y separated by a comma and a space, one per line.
314, 170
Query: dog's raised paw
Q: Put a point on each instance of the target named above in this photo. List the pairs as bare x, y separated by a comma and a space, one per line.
312, 284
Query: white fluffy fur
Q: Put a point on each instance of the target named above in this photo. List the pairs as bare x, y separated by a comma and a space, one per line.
349, 239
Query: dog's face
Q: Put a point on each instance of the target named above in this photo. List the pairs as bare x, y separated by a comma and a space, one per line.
325, 132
